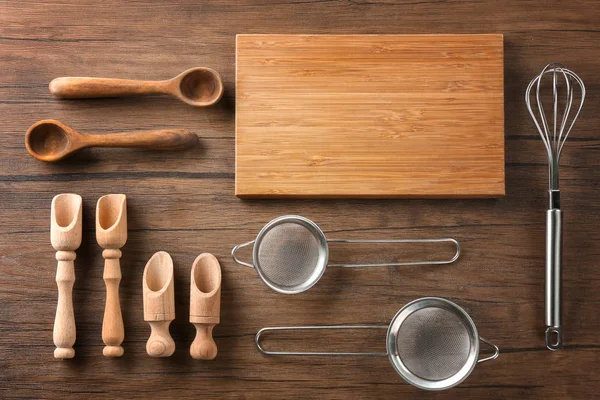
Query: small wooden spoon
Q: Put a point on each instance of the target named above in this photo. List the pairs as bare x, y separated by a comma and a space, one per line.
51, 140
198, 87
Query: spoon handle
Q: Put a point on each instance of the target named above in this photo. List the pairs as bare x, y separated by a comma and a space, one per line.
163, 139
83, 87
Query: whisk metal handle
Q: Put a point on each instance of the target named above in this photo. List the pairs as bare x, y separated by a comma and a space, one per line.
236, 248
553, 278
431, 262
318, 353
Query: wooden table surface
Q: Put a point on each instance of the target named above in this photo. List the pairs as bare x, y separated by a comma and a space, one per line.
183, 203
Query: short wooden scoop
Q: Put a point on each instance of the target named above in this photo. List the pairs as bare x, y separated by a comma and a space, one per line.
198, 87
159, 304
205, 305
51, 140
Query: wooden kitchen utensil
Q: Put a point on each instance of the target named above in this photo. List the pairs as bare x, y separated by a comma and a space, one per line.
65, 236
205, 305
369, 116
159, 304
51, 140
198, 87
111, 234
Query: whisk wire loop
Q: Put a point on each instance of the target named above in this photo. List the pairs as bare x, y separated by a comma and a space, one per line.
555, 136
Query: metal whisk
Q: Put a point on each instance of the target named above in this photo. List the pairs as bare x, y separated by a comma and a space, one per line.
568, 94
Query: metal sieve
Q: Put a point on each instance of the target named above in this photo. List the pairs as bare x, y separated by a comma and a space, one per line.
290, 253
432, 343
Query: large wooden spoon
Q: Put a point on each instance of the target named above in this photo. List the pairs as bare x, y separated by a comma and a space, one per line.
199, 87
50, 140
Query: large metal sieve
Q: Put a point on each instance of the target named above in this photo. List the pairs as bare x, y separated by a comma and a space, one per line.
432, 343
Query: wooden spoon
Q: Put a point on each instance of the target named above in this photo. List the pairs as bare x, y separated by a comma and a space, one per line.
51, 140
205, 305
198, 87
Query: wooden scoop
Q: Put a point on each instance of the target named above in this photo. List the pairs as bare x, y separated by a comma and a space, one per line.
111, 234
50, 140
65, 236
198, 87
205, 305
159, 304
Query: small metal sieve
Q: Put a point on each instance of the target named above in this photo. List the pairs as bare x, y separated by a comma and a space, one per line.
290, 253
432, 343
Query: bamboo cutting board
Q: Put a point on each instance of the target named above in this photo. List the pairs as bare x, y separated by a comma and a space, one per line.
369, 116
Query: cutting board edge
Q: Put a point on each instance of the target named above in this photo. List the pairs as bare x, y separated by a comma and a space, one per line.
243, 35
491, 195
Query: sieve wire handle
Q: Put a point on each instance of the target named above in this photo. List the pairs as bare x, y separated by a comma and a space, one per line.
492, 345
236, 248
315, 327
432, 262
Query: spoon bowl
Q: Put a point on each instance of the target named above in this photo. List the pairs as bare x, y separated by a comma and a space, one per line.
199, 87
49, 140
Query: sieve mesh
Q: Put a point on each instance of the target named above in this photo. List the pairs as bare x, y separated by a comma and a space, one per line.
288, 255
433, 343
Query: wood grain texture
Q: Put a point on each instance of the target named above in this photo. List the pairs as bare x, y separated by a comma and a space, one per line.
369, 116
184, 204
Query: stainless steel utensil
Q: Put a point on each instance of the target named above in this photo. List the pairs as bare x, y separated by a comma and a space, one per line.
565, 98
290, 253
432, 343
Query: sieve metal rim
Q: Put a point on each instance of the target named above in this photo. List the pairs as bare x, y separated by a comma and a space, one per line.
392, 347
323, 252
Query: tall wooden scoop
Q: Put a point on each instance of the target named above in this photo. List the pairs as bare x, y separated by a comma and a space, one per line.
111, 234
65, 236
205, 305
159, 304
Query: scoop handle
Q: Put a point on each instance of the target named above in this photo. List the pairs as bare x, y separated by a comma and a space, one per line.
162, 139
113, 331
64, 322
160, 343
84, 87
203, 347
